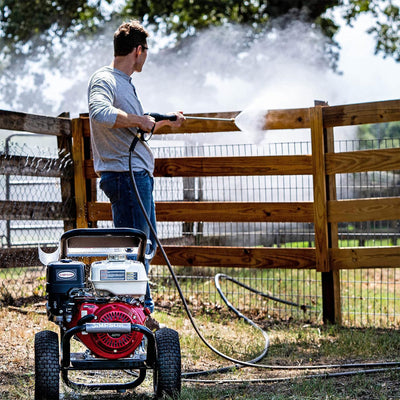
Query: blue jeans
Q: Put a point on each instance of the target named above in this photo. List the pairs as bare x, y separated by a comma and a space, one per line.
125, 207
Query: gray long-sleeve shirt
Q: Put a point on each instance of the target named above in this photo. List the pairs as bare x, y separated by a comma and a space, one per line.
109, 90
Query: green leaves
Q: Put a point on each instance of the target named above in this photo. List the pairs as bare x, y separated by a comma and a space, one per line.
388, 134
41, 21
385, 24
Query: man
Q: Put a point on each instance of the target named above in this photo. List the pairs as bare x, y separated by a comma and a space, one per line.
116, 114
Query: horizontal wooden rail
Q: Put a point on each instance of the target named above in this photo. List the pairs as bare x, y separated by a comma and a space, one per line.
21, 257
362, 161
248, 257
356, 210
274, 119
346, 162
234, 166
378, 209
282, 237
363, 113
37, 210
204, 126
235, 211
294, 258
32, 166
16, 121
225, 166
296, 118
191, 126
217, 211
368, 257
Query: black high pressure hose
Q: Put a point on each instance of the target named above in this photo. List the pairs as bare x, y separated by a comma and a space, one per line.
238, 363
175, 279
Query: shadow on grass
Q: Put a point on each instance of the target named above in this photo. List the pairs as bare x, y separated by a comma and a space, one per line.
20, 386
361, 387
16, 385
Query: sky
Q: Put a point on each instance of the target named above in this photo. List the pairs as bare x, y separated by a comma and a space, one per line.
369, 77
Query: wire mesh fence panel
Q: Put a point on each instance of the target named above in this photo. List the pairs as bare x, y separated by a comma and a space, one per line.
370, 297
292, 286
287, 294
32, 168
22, 282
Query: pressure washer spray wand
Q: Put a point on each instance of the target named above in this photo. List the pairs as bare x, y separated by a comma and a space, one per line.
172, 117
146, 136
211, 118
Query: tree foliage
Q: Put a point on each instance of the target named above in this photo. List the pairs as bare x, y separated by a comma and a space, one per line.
185, 16
386, 27
386, 134
40, 21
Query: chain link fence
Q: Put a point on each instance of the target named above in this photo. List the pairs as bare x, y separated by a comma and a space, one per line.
369, 297
32, 168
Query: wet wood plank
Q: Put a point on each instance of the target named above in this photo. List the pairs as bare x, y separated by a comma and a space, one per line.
363, 113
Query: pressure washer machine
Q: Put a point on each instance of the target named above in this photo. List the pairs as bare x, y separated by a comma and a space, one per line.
99, 308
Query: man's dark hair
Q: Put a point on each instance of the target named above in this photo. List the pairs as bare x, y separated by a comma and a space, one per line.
128, 36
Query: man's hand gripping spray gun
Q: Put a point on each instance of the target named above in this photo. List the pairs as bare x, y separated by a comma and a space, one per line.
145, 136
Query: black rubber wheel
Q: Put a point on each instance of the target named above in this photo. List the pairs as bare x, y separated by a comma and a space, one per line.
167, 372
47, 367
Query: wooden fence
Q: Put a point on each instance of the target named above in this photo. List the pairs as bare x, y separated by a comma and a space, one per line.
325, 212
26, 166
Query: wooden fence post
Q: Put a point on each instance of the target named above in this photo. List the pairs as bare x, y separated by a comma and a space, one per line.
332, 310
64, 145
320, 192
79, 173
326, 235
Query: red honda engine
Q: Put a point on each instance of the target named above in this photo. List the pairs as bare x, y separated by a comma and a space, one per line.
113, 345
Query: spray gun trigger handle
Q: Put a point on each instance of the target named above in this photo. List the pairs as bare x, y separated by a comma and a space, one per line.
143, 136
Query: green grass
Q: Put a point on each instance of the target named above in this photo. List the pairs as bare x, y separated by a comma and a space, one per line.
343, 243
291, 343
363, 387
369, 296
14, 273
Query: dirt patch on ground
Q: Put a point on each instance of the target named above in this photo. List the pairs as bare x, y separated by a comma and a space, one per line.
16, 348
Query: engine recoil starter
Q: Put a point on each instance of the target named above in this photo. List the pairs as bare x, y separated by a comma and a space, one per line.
111, 345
